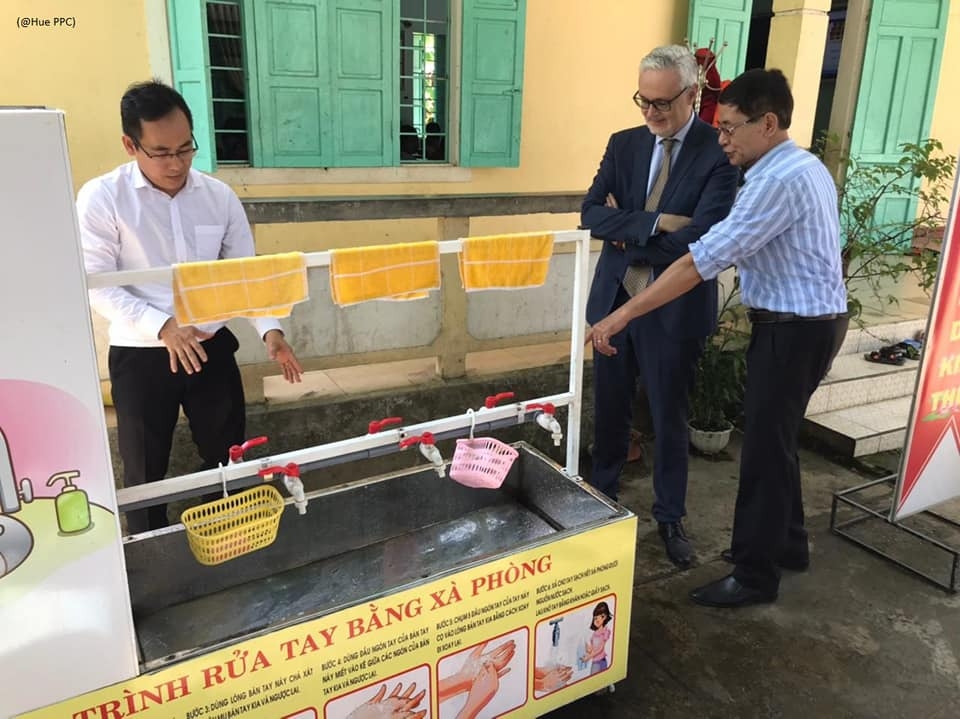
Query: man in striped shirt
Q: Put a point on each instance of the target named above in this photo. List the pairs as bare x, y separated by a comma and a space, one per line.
783, 236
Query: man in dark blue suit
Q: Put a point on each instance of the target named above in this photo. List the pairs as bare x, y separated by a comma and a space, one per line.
659, 188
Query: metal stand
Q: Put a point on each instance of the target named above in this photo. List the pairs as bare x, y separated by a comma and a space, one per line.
853, 499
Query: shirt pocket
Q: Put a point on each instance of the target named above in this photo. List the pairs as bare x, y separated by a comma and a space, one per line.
207, 241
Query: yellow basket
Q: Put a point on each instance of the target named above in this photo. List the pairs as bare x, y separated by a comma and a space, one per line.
227, 528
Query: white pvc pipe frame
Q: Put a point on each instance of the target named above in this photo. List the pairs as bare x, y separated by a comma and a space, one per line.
153, 492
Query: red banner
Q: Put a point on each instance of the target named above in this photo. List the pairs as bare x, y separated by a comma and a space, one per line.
930, 470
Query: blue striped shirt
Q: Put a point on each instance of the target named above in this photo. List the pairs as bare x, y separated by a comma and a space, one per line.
783, 235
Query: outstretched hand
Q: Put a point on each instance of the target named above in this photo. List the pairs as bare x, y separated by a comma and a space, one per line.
599, 335
282, 353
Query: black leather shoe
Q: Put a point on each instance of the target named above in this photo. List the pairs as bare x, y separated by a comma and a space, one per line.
679, 550
729, 593
794, 564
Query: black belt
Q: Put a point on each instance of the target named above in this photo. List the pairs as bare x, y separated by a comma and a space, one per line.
765, 316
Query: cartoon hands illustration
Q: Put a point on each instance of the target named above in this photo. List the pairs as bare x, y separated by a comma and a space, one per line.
396, 706
549, 679
468, 674
483, 689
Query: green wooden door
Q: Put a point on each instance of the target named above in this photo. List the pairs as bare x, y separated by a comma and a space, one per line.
898, 85
723, 21
491, 82
190, 57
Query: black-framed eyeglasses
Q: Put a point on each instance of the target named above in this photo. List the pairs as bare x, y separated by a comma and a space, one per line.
178, 155
659, 105
728, 130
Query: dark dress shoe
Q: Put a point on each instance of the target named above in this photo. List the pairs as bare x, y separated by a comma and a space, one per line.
792, 563
729, 593
679, 550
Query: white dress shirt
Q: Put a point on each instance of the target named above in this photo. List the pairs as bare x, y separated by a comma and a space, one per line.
128, 224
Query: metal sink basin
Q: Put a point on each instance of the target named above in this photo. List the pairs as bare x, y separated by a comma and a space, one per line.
356, 542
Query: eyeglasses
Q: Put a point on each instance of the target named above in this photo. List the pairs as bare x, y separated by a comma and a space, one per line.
178, 155
659, 105
728, 130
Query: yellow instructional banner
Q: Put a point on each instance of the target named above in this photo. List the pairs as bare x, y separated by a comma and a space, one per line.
516, 637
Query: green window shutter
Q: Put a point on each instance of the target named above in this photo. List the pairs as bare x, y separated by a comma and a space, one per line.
724, 21
325, 91
491, 82
290, 108
898, 86
365, 45
190, 56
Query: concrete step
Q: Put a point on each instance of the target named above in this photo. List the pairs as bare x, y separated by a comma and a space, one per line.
864, 339
862, 407
861, 430
854, 381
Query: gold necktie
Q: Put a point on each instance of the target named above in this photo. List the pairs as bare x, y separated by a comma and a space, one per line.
638, 276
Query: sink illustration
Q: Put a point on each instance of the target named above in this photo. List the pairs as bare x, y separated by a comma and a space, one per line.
16, 541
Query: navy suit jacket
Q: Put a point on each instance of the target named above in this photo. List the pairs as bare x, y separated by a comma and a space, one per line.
702, 185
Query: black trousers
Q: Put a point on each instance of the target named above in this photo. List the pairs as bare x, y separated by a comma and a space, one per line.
147, 397
666, 366
785, 363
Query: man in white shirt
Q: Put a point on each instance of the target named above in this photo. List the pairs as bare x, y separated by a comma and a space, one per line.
154, 212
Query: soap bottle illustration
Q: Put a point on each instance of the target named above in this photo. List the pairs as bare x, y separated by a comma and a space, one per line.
73, 507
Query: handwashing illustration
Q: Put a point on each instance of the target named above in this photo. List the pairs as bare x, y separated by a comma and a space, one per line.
26, 517
16, 541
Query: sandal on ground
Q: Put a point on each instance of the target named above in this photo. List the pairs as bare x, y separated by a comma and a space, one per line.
910, 348
886, 355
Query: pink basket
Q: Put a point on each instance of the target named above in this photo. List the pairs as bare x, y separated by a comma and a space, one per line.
482, 462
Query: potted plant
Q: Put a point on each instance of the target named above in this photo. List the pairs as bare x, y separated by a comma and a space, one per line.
717, 395
879, 245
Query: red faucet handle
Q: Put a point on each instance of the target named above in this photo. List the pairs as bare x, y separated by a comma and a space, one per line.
378, 424
236, 451
547, 407
292, 470
425, 438
270, 471
491, 401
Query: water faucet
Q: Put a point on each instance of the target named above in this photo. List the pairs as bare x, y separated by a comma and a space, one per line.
11, 492
379, 424
291, 480
494, 399
428, 449
546, 420
237, 450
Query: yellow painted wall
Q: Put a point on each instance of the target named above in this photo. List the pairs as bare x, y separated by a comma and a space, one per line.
580, 73
945, 126
81, 70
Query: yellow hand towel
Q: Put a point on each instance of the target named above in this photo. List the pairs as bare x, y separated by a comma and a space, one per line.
384, 272
505, 261
265, 286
